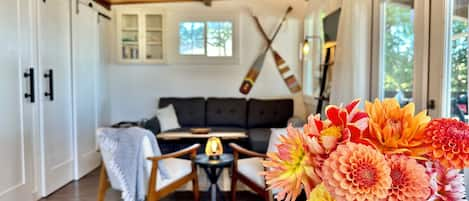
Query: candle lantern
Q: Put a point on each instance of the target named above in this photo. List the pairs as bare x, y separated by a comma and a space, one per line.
214, 148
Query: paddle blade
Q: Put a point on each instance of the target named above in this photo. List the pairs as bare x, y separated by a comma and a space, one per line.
252, 75
286, 73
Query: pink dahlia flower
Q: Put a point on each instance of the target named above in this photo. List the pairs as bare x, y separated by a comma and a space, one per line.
446, 184
356, 172
409, 180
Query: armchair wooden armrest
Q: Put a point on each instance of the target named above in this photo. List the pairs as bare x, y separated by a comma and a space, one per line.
192, 150
240, 150
154, 195
238, 176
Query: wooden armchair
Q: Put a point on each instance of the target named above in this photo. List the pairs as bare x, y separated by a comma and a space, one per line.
248, 172
184, 171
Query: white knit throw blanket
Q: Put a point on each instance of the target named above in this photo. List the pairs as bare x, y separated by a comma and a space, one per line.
127, 161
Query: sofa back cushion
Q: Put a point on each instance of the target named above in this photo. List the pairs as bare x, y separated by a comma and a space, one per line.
227, 112
269, 113
190, 111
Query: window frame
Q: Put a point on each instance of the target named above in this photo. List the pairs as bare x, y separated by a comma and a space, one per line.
205, 54
232, 16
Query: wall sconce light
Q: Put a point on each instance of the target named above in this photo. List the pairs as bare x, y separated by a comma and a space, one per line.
214, 148
307, 46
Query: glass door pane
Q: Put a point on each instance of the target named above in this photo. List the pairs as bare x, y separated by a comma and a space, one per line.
457, 70
154, 37
398, 50
129, 37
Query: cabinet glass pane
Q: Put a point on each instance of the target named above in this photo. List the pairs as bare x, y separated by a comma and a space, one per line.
192, 38
219, 39
457, 67
129, 34
154, 52
398, 49
154, 37
130, 22
154, 22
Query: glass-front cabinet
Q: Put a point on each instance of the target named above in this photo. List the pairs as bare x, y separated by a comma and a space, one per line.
141, 36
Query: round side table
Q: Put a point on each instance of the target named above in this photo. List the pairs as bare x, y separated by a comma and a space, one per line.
213, 169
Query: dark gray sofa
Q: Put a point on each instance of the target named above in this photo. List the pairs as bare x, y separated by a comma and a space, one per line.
254, 116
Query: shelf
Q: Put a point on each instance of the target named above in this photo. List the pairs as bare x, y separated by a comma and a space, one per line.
130, 42
141, 34
154, 43
154, 29
129, 29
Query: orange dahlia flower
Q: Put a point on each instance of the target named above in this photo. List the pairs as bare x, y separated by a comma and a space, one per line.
342, 125
396, 130
449, 139
291, 168
409, 180
446, 184
356, 172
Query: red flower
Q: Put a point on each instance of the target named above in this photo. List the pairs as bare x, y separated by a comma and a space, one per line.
342, 125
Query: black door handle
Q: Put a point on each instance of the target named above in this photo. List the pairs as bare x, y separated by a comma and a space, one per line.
50, 75
32, 94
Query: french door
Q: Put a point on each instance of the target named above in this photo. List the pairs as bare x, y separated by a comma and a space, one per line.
449, 59
17, 111
401, 38
422, 56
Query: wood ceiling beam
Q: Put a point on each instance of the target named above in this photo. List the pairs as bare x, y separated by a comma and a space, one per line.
116, 2
103, 3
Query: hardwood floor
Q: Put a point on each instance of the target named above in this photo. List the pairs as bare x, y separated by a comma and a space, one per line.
87, 189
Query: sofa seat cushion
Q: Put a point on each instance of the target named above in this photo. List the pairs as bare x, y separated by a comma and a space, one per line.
190, 111
251, 168
269, 113
179, 168
230, 112
259, 139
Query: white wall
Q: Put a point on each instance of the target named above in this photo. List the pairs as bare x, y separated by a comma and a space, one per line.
135, 89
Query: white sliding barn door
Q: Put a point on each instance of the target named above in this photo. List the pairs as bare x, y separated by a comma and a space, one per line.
54, 39
16, 112
85, 68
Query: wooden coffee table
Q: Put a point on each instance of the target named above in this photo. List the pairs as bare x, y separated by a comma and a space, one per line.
188, 135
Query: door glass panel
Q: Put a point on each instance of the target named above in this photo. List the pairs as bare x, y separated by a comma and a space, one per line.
457, 65
398, 50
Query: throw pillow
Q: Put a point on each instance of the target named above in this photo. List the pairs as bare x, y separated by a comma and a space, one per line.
168, 118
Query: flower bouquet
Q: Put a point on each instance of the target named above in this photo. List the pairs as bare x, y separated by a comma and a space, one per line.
383, 153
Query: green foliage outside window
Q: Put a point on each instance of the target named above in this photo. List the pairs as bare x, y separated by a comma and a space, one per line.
399, 51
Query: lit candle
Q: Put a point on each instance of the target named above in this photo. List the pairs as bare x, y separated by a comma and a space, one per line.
214, 147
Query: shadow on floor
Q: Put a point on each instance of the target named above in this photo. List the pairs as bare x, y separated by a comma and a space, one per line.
87, 189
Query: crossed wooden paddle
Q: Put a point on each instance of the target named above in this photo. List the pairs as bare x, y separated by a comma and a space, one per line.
282, 67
